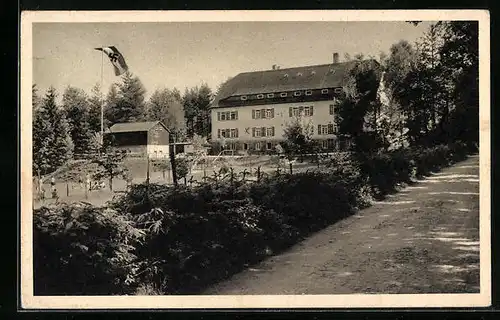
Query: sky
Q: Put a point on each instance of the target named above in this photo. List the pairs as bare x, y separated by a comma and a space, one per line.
187, 54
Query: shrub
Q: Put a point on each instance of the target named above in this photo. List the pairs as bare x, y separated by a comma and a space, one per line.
83, 250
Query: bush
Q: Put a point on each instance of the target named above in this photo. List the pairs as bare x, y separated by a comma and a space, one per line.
197, 235
83, 250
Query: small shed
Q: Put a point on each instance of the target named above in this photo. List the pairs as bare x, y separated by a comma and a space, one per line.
141, 138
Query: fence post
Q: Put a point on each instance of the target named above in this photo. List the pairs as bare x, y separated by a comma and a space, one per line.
291, 171
67, 189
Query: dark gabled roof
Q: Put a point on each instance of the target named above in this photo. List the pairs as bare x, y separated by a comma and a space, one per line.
134, 126
300, 78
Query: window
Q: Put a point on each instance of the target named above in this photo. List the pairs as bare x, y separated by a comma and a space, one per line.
270, 113
324, 91
260, 96
243, 98
331, 128
256, 132
308, 92
269, 146
270, 95
325, 144
234, 133
245, 146
332, 109
257, 114
297, 93
307, 111
228, 115
270, 132
324, 130
338, 90
294, 111
258, 146
283, 94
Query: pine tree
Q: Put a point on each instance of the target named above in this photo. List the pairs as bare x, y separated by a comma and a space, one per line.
94, 113
35, 99
166, 106
196, 103
129, 105
52, 145
75, 104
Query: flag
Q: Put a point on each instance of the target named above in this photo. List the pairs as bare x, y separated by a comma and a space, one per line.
116, 59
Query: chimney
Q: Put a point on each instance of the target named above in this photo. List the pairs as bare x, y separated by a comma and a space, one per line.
335, 57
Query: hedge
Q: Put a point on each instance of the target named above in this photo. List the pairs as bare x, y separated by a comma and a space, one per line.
180, 240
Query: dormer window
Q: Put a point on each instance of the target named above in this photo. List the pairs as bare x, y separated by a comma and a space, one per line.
285, 75
270, 95
308, 92
243, 98
299, 74
283, 94
297, 93
338, 90
260, 96
313, 72
324, 91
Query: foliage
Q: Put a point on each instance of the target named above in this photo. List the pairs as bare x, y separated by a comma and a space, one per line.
181, 167
298, 138
79, 249
109, 161
35, 98
75, 104
359, 108
126, 100
166, 106
196, 103
197, 235
52, 144
94, 109
435, 86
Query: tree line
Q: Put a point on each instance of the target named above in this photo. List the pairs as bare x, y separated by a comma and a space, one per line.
423, 94
72, 127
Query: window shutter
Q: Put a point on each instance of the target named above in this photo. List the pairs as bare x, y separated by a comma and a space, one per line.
236, 133
312, 110
218, 116
290, 111
272, 130
253, 132
218, 133
263, 131
330, 128
236, 115
253, 114
263, 113
272, 113
301, 109
319, 129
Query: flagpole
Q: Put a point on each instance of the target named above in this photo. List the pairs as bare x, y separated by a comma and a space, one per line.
102, 98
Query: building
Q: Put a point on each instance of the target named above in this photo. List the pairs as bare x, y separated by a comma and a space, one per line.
141, 138
252, 109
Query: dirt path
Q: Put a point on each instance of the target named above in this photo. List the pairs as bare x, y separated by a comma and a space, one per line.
424, 239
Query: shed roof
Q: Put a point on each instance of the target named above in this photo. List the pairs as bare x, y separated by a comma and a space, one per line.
134, 126
299, 78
